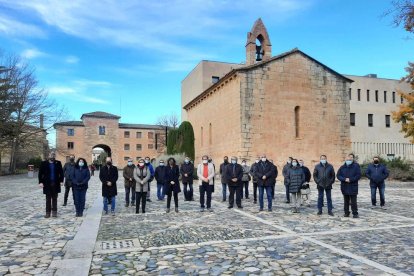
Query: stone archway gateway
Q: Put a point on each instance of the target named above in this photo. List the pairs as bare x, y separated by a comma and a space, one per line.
105, 148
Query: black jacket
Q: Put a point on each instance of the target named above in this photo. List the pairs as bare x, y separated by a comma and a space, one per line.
253, 172
264, 169
44, 177
285, 172
160, 174
189, 170
307, 173
274, 174
108, 174
324, 176
234, 171
172, 174
223, 172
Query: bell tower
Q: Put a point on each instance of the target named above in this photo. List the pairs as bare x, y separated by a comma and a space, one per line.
258, 45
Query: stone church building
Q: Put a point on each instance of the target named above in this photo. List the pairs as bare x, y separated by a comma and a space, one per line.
284, 105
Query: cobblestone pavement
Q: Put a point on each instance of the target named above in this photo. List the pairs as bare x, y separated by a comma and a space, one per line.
29, 242
223, 242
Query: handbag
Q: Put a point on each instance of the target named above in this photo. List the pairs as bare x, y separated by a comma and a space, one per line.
305, 186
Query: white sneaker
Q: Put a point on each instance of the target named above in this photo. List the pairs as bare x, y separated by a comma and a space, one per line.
373, 207
383, 208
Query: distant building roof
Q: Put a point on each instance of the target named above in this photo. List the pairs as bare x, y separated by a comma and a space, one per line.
69, 123
101, 114
140, 126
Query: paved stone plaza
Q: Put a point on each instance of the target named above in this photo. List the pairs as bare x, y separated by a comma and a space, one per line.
238, 242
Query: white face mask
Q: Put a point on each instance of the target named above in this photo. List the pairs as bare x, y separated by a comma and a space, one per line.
244, 163
130, 163
289, 161
264, 159
257, 160
233, 161
81, 164
162, 164
205, 161
141, 164
146, 161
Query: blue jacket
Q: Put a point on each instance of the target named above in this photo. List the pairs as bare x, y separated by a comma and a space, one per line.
353, 172
80, 178
376, 174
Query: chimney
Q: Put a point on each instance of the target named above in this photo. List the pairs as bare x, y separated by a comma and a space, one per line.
371, 76
41, 120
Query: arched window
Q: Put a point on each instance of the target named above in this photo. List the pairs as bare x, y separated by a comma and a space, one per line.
210, 135
297, 121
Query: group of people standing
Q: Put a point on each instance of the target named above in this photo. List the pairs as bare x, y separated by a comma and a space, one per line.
235, 179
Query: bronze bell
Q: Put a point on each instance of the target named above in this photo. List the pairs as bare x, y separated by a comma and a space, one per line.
259, 53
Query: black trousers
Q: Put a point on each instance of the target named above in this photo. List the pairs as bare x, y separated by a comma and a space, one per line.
51, 203
169, 195
205, 188
67, 189
138, 197
273, 190
235, 190
255, 191
354, 207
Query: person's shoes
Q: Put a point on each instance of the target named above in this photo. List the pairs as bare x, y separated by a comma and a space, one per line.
137, 212
54, 214
355, 216
47, 215
64, 204
373, 206
113, 213
319, 213
133, 203
201, 209
81, 214
297, 210
247, 197
346, 215
176, 210
168, 210
105, 212
240, 207
210, 210
143, 211
269, 210
255, 201
149, 200
230, 207
331, 213
383, 208
223, 200
260, 210
287, 202
308, 205
126, 204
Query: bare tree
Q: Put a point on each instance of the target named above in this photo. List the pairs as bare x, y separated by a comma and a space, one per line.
170, 120
28, 111
403, 14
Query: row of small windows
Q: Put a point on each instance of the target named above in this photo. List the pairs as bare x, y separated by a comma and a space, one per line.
102, 131
138, 146
376, 95
371, 120
126, 158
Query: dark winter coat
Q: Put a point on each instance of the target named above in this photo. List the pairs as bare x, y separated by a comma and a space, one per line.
128, 173
68, 169
80, 178
353, 172
324, 176
295, 179
160, 174
234, 171
172, 174
274, 174
285, 172
253, 172
307, 173
189, 170
223, 172
377, 174
44, 177
264, 169
108, 174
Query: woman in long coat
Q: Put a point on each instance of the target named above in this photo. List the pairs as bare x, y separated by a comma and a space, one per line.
295, 179
172, 184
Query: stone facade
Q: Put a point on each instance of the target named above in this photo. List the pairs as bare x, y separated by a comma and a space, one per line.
103, 130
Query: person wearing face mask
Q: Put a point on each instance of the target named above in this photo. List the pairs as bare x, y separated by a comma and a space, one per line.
152, 171
377, 173
245, 180
224, 181
285, 172
68, 171
80, 178
160, 173
50, 179
253, 169
109, 176
264, 174
187, 171
172, 185
305, 190
324, 177
129, 182
295, 179
234, 175
142, 175
205, 174
349, 175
